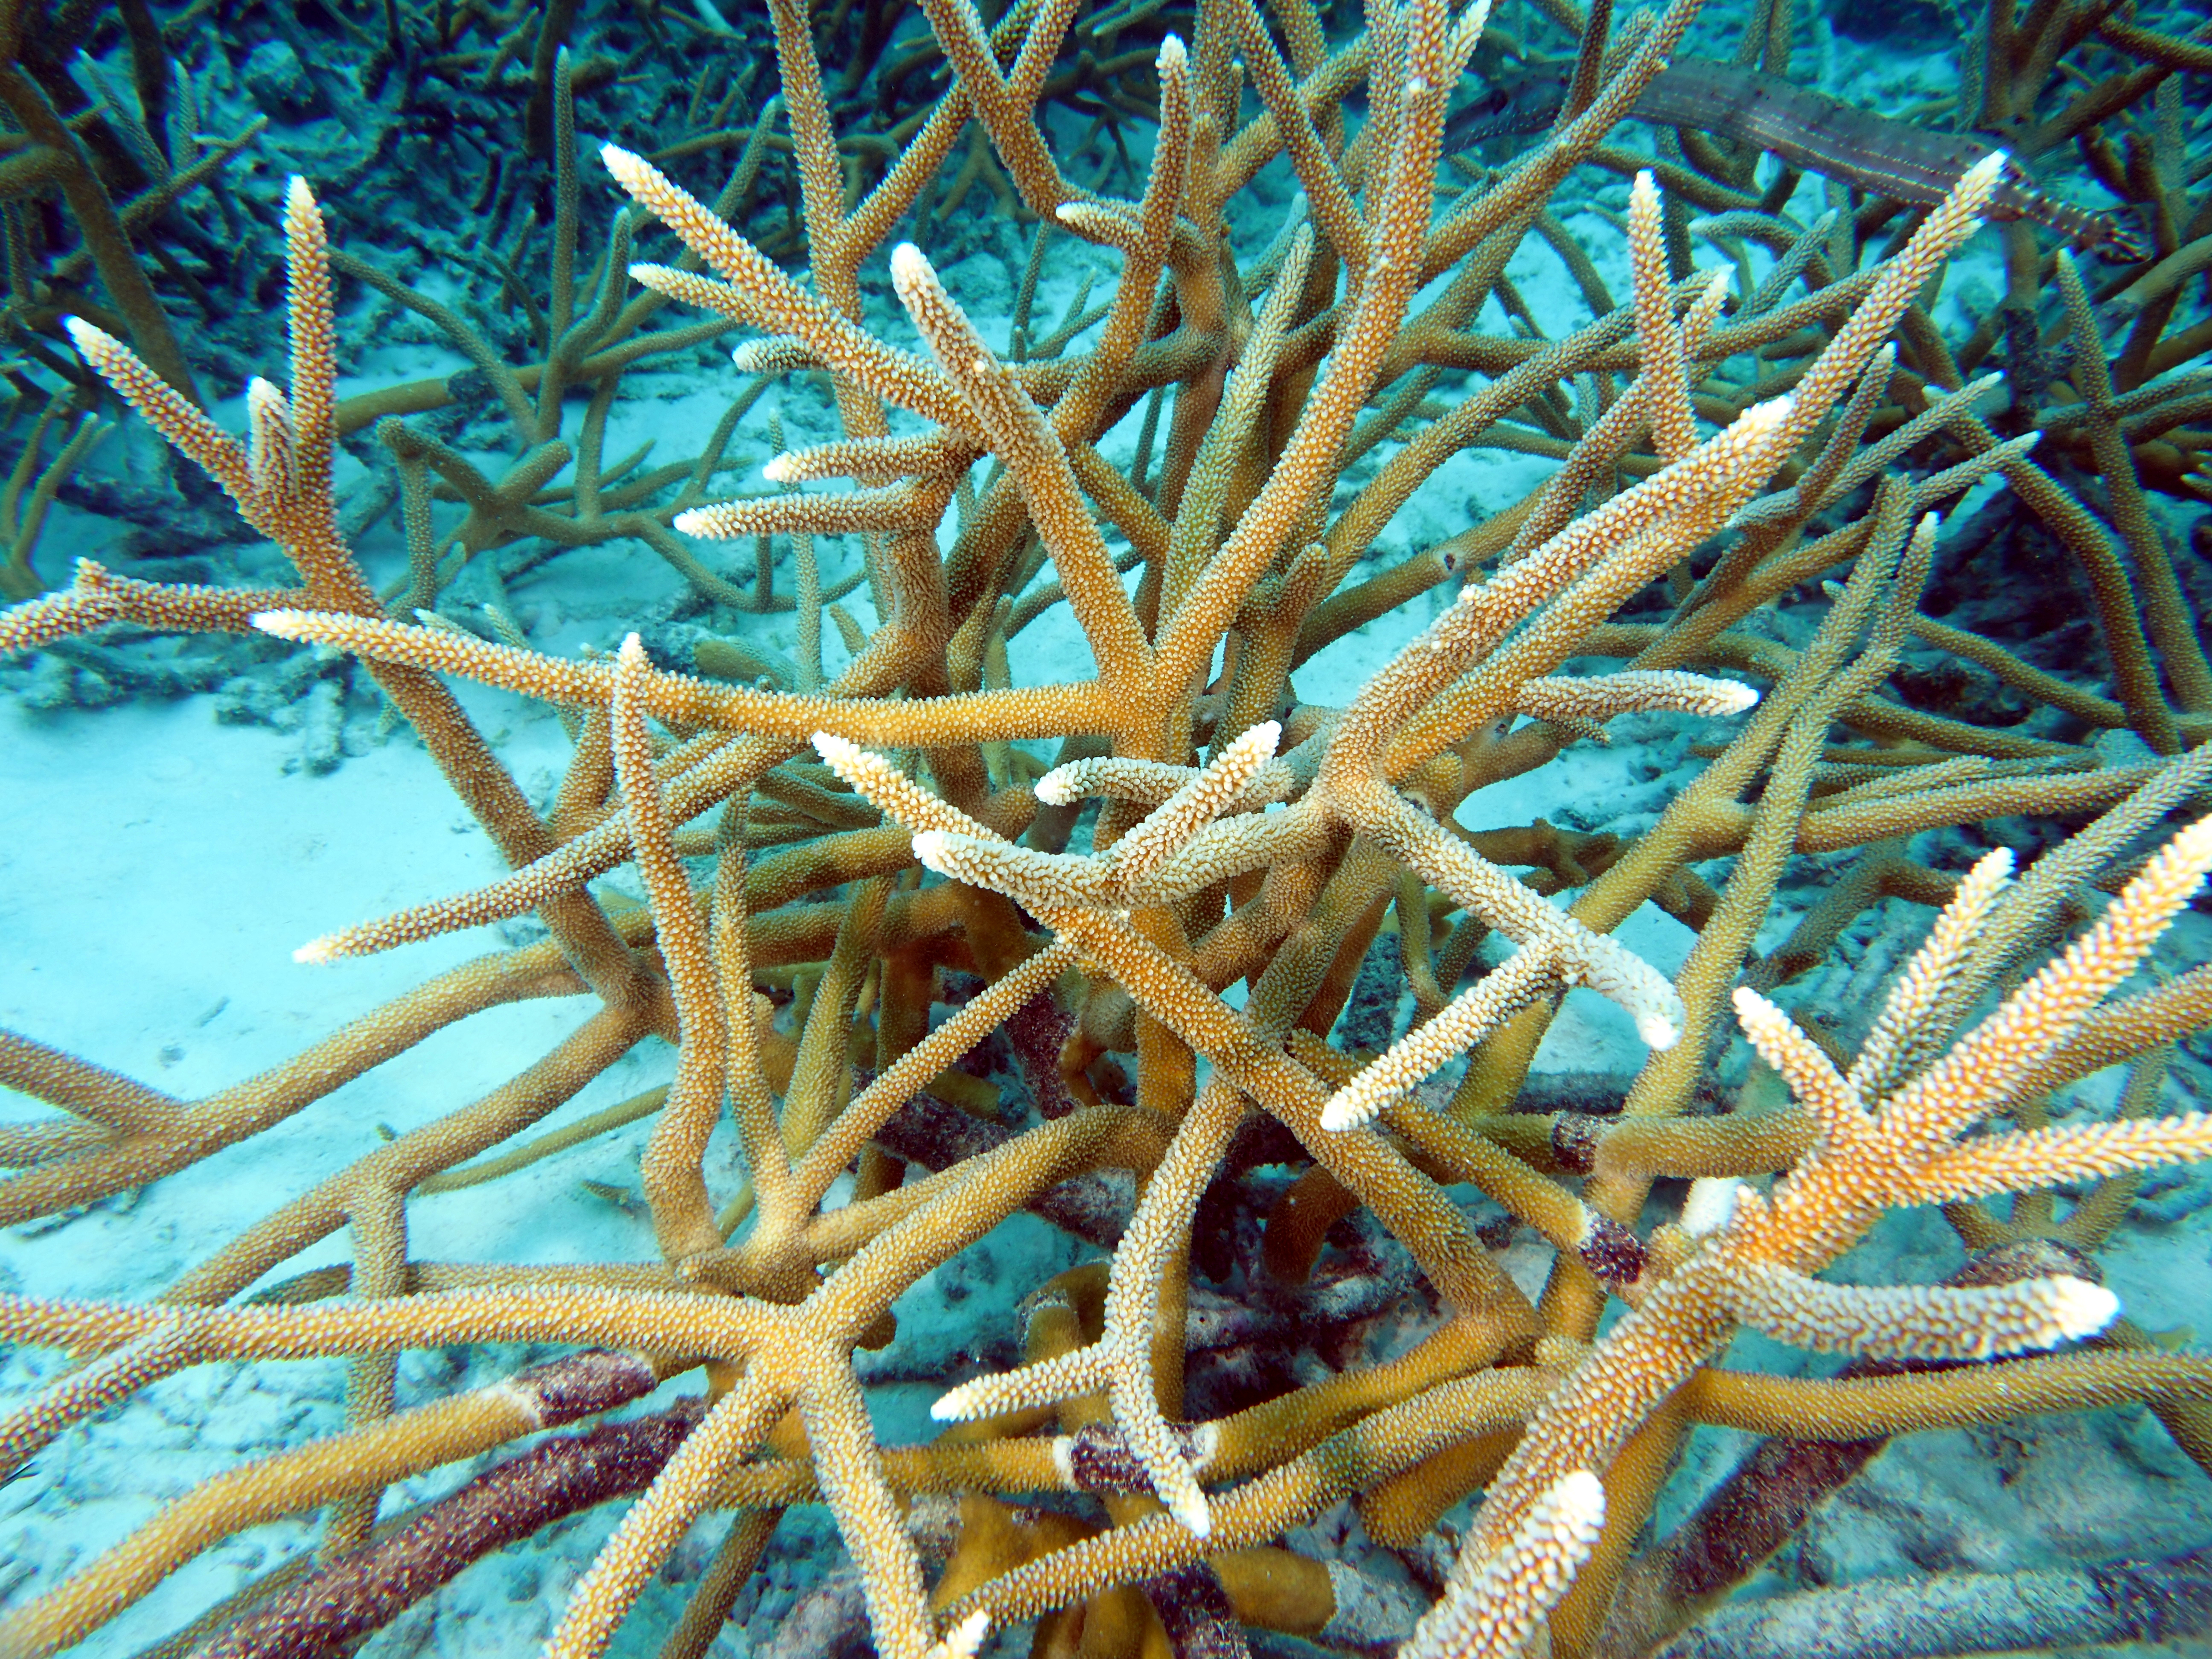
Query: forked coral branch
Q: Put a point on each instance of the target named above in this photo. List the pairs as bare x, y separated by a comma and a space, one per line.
1750, 1268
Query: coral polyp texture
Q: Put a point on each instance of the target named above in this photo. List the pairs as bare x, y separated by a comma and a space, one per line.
1360, 1324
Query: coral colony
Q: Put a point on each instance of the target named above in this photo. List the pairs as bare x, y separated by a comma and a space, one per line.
941, 947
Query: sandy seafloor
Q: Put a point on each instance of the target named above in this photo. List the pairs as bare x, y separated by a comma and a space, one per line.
158, 865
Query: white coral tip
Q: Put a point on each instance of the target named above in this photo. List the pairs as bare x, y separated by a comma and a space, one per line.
1056, 787
1710, 1205
89, 337
1262, 738
950, 1407
1577, 1506
1659, 1026
1192, 1513
929, 848
2079, 1309
778, 470
1734, 697
837, 753
1765, 417
1172, 54
910, 267
1346, 1109
318, 951
966, 1638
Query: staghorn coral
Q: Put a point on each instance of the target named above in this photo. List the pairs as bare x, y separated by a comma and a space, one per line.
1724, 446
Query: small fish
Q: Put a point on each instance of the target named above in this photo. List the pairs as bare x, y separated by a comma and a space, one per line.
1511, 108
621, 1197
1807, 129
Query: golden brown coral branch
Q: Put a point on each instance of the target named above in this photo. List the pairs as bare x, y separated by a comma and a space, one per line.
1033, 453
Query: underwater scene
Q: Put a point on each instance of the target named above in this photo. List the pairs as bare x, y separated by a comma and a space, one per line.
1105, 829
